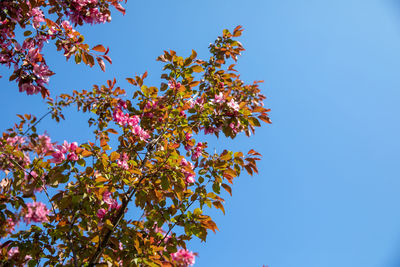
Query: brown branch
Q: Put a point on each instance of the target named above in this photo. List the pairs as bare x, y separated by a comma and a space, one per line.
117, 219
128, 196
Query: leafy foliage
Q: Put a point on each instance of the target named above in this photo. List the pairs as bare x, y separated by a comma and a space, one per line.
158, 169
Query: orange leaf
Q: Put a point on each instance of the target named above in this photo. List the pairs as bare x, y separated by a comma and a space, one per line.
131, 81
86, 153
265, 119
219, 205
227, 188
99, 48
253, 152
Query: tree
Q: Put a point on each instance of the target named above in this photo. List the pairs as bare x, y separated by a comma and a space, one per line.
159, 169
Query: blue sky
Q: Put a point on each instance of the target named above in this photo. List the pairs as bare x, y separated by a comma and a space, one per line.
328, 189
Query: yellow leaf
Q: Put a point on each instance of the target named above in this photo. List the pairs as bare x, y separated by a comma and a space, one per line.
101, 179
197, 68
95, 239
114, 156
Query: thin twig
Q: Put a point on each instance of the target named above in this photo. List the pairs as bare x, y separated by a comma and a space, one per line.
41, 118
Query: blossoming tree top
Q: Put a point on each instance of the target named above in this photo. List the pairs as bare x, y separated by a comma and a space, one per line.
159, 170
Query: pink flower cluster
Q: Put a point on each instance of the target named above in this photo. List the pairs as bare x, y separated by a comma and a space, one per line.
197, 151
174, 85
235, 127
12, 141
34, 69
10, 225
19, 144
219, 98
188, 171
45, 144
122, 162
87, 11
112, 204
183, 257
36, 212
211, 130
233, 105
101, 213
38, 17
188, 136
59, 153
124, 120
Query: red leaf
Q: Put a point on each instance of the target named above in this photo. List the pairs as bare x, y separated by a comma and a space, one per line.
108, 59
119, 7
253, 152
101, 64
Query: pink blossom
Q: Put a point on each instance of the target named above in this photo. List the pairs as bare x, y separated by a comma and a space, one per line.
189, 175
29, 88
101, 213
188, 136
15, 140
124, 119
174, 85
72, 156
42, 73
10, 225
36, 212
235, 128
12, 252
112, 203
219, 98
73, 146
197, 151
183, 257
120, 117
87, 11
233, 104
122, 162
137, 130
66, 25
133, 121
45, 144
33, 174
151, 104
33, 55
58, 157
37, 17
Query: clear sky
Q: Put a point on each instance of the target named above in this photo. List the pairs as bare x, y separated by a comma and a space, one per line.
328, 192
